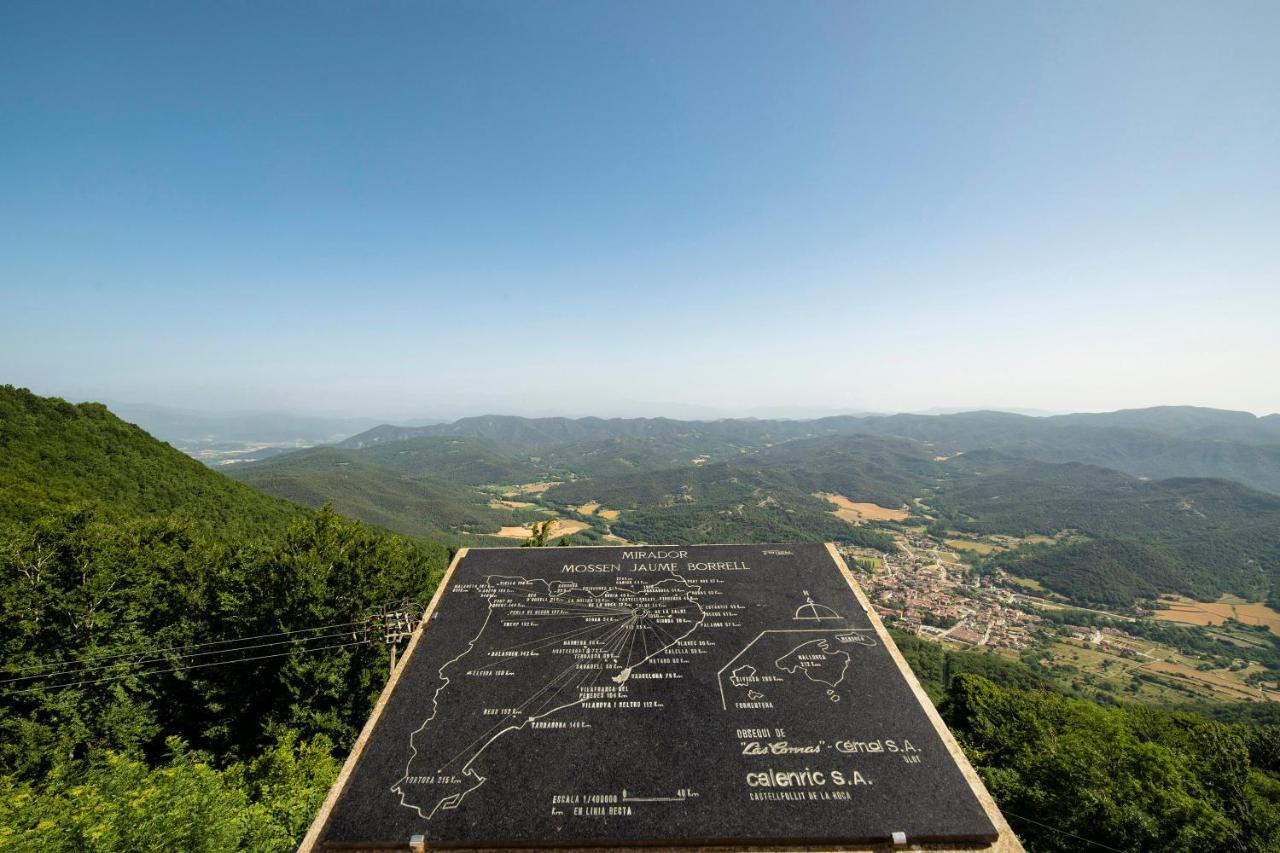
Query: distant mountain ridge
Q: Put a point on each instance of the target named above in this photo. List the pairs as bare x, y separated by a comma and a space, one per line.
1124, 511
1166, 441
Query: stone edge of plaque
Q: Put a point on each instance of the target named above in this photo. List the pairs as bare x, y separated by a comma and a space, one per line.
312, 839
1006, 841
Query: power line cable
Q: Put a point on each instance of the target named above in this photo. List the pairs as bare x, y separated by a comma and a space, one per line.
152, 651
1062, 832
70, 684
75, 670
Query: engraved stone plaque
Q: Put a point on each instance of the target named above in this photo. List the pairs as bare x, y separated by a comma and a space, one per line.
677, 696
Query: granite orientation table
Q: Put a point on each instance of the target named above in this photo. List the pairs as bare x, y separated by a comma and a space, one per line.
681, 697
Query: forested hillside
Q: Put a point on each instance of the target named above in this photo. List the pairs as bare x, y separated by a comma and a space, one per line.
183, 657
1069, 773
56, 454
422, 504
976, 473
1204, 536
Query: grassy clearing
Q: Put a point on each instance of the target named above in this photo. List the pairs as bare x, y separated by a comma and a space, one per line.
975, 546
1156, 672
1028, 584
1230, 685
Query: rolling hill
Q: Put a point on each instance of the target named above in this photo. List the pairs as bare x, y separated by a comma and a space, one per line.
57, 454
377, 490
661, 480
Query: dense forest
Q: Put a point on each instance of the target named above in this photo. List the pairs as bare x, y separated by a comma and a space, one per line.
184, 659
1068, 773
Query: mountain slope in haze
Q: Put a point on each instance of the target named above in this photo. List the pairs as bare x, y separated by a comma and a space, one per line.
541, 433
56, 454
360, 487
1093, 440
1186, 422
188, 425
762, 495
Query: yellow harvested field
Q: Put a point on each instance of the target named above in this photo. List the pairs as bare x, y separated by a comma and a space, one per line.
587, 508
559, 528
971, 545
529, 489
857, 513
609, 514
496, 503
1192, 612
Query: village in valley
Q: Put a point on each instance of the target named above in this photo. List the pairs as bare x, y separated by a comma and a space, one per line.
928, 589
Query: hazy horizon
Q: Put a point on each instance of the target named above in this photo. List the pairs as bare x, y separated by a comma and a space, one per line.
673, 411
426, 210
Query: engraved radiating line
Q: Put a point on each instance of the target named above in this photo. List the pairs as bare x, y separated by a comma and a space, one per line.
671, 641
580, 633
531, 718
562, 608
576, 686
582, 615
631, 638
503, 720
606, 641
563, 635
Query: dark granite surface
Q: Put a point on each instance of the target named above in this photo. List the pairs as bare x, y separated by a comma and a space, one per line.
642, 695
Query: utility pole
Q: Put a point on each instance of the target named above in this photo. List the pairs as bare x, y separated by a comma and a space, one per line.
397, 621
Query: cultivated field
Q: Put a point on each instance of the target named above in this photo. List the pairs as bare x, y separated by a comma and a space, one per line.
1179, 609
498, 503
559, 527
528, 489
1168, 675
857, 513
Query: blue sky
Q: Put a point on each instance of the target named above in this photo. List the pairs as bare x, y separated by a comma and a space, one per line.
435, 209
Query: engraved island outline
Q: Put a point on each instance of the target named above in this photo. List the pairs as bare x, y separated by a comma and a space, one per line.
616, 628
